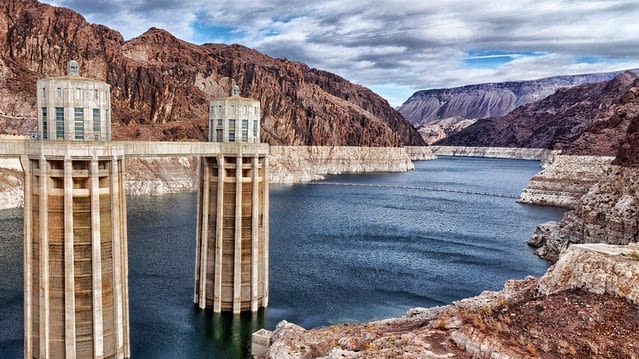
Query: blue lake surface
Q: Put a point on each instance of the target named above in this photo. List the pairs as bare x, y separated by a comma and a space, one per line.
352, 248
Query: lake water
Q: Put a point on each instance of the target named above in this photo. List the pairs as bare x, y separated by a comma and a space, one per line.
351, 248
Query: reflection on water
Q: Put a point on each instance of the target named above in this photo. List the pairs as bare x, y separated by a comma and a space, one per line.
233, 332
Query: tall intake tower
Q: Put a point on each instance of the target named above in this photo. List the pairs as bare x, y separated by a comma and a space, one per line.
75, 248
231, 270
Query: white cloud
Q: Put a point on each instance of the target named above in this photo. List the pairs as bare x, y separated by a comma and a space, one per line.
395, 45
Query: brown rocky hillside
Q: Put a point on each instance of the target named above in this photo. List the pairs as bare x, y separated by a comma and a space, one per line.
161, 85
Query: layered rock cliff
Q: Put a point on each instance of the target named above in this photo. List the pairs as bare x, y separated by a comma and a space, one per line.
590, 119
161, 86
538, 154
584, 307
439, 113
292, 164
565, 179
608, 213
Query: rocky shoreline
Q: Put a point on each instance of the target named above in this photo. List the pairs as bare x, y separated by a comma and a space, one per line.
584, 306
539, 154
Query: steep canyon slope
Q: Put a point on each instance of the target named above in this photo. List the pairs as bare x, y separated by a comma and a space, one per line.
439, 113
161, 86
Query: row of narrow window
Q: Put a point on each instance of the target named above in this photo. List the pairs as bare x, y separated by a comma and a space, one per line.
219, 132
78, 93
242, 109
78, 119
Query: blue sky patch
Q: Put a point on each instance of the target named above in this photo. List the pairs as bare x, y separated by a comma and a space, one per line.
204, 32
489, 59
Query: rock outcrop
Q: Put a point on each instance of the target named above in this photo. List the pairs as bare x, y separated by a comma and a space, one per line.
420, 153
584, 306
157, 176
608, 213
161, 86
291, 164
565, 179
11, 178
439, 113
590, 119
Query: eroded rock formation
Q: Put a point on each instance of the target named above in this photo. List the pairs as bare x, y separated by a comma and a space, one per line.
608, 213
161, 86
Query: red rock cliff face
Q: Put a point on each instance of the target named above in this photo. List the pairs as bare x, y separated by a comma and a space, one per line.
161, 86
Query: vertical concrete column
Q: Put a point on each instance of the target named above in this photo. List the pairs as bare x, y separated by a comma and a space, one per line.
28, 256
124, 248
237, 260
265, 210
204, 229
255, 232
43, 260
217, 283
96, 259
69, 270
119, 326
198, 233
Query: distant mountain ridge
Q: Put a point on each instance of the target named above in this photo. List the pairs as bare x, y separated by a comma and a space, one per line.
438, 113
591, 119
161, 86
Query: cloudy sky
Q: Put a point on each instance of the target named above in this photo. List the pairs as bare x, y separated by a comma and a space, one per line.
396, 47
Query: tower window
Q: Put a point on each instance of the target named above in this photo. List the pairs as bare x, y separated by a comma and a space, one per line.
220, 123
79, 123
45, 135
58, 92
78, 94
96, 120
255, 129
96, 94
219, 133
59, 122
231, 130
44, 92
244, 130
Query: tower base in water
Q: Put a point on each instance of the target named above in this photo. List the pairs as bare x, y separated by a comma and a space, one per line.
75, 251
231, 271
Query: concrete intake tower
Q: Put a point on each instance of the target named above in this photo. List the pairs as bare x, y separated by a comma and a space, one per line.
231, 270
75, 249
